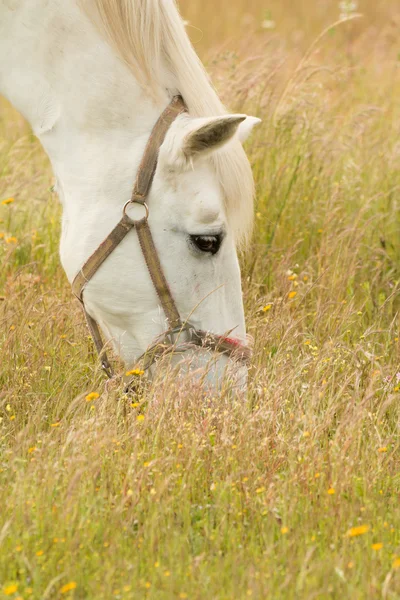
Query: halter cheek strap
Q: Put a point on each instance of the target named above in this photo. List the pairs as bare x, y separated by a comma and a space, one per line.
144, 180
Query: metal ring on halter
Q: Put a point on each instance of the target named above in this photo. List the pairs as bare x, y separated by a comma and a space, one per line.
136, 202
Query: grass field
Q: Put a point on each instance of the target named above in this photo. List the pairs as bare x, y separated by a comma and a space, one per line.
294, 494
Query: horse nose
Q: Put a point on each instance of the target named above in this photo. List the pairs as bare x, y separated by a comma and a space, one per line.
212, 371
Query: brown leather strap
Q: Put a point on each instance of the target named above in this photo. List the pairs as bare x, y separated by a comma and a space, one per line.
93, 263
147, 167
98, 342
157, 274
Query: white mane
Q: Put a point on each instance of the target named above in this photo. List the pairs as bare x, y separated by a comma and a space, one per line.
150, 37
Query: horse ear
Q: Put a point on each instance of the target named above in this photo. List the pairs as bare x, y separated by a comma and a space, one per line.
191, 138
207, 135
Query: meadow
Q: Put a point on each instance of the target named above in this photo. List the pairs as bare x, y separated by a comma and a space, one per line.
293, 493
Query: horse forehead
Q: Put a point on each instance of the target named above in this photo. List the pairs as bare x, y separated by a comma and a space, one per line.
197, 195
199, 181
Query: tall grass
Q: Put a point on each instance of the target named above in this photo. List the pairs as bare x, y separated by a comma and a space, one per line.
295, 493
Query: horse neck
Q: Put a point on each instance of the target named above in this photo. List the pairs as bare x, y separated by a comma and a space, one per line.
89, 112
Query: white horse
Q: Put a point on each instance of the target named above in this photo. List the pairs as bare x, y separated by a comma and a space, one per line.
92, 77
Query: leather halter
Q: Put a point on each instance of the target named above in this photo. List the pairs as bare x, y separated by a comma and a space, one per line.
194, 337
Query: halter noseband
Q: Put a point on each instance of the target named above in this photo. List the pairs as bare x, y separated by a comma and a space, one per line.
194, 337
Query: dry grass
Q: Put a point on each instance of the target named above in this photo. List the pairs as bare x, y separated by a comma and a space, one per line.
176, 497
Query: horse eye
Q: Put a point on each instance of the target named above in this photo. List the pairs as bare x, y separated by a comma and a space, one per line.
207, 243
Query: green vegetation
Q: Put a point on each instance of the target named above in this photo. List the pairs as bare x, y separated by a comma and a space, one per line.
294, 493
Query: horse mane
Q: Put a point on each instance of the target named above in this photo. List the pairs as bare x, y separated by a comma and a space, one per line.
150, 37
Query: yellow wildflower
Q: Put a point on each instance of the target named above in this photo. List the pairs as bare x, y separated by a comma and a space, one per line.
292, 295
39, 553
68, 587
31, 449
260, 490
292, 277
267, 307
383, 449
167, 573
11, 240
2, 234
9, 590
92, 396
147, 585
136, 372
8, 201
377, 546
284, 530
356, 531
140, 418
56, 424
396, 563
331, 491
